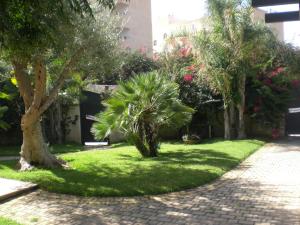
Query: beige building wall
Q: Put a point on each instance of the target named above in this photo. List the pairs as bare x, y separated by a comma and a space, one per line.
137, 18
165, 24
277, 28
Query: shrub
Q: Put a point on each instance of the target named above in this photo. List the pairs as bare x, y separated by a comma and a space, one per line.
139, 108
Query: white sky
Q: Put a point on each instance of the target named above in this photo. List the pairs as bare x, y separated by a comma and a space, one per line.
194, 9
291, 29
182, 9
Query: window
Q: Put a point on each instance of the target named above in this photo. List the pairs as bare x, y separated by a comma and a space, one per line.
155, 42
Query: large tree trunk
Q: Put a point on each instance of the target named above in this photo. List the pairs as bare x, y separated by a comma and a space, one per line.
241, 107
34, 150
37, 101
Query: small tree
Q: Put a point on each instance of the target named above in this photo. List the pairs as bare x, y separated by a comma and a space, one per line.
70, 33
232, 49
139, 108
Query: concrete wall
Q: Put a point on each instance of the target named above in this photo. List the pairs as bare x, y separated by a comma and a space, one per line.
75, 129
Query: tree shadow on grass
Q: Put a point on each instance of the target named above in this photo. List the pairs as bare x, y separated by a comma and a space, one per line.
171, 171
191, 157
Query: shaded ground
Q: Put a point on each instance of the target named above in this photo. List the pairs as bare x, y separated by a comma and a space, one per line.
56, 149
123, 172
263, 189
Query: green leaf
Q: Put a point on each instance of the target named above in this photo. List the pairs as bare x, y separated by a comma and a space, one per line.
14, 81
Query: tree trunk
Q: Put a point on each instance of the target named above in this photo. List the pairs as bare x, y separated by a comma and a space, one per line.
233, 119
152, 142
139, 144
151, 138
34, 150
227, 127
241, 107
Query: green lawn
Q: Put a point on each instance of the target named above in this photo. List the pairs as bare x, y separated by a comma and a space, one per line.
4, 221
14, 150
122, 172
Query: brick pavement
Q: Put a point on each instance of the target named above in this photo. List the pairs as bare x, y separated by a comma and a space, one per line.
264, 189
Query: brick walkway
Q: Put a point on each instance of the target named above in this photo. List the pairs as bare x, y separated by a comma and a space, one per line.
265, 189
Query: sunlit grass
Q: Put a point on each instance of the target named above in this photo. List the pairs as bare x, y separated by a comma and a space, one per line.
121, 171
4, 221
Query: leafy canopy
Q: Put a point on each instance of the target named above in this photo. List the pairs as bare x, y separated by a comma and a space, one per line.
29, 27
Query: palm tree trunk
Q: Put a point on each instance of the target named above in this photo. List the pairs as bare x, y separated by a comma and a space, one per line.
151, 138
241, 107
233, 119
227, 127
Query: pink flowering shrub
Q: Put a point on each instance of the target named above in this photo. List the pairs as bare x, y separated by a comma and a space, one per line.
188, 77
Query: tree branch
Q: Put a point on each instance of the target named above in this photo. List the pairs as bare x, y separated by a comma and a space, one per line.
24, 85
60, 81
40, 82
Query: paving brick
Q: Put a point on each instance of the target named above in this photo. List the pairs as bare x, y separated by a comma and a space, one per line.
264, 189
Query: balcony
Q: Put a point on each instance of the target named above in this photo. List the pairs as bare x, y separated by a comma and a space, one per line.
283, 16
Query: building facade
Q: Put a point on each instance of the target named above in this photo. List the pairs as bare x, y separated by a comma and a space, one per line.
148, 23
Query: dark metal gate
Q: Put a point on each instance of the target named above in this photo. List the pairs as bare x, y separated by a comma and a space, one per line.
90, 106
293, 115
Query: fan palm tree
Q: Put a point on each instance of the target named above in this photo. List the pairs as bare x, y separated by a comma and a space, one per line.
139, 108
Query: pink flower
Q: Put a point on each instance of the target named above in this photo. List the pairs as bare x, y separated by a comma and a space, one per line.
188, 77
277, 71
143, 50
280, 69
273, 74
184, 52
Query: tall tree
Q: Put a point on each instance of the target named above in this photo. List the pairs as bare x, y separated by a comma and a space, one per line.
70, 33
232, 49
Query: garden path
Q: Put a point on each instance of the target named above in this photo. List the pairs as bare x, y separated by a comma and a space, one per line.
264, 189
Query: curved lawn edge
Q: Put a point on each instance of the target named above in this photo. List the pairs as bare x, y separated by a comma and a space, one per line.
121, 172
